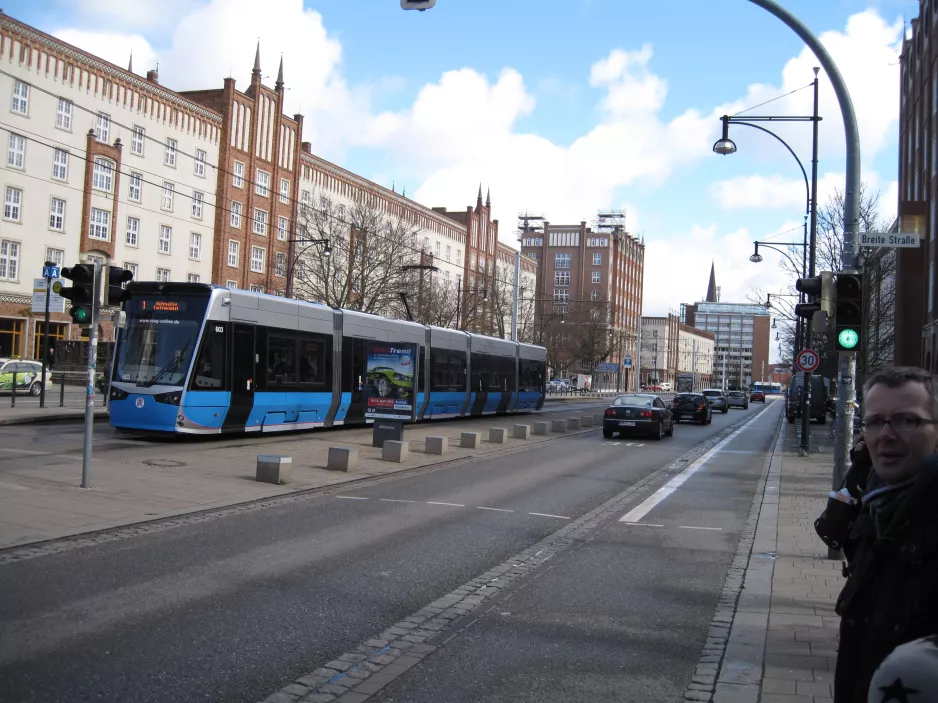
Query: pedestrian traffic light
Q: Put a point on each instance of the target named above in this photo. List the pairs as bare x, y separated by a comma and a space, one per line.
821, 290
849, 314
80, 293
115, 291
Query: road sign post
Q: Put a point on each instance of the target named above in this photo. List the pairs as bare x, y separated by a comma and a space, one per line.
808, 360
48, 272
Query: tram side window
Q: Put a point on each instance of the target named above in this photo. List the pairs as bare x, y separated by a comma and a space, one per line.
532, 376
482, 373
210, 367
447, 371
281, 361
422, 375
312, 362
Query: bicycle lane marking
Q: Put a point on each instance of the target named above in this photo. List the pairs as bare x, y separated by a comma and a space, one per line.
646, 506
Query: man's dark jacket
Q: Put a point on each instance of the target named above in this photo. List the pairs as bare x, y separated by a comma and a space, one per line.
891, 595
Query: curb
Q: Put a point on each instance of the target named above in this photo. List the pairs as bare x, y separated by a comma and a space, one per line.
76, 415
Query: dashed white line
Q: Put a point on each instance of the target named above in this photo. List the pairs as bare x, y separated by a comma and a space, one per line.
691, 527
560, 517
500, 510
454, 505
396, 500
351, 498
643, 524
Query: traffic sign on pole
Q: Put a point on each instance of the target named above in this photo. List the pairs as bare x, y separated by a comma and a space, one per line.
807, 360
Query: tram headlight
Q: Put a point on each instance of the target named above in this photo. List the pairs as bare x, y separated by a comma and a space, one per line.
118, 394
169, 398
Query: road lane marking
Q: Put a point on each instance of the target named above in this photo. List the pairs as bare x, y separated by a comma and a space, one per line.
454, 505
351, 498
692, 527
643, 524
396, 500
561, 517
500, 510
647, 505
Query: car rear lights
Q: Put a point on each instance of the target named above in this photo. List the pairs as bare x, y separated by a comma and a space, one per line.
646, 413
702, 406
610, 412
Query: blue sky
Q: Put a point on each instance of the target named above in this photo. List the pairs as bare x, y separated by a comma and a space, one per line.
560, 107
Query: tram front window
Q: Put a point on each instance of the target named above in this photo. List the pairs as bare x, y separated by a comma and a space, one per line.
159, 340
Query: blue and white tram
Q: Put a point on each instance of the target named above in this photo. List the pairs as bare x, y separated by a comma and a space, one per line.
201, 359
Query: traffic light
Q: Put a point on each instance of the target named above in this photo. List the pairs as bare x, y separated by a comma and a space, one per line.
80, 293
849, 322
821, 290
116, 278
417, 4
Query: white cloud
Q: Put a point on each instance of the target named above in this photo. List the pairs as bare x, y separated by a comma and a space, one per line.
113, 47
131, 14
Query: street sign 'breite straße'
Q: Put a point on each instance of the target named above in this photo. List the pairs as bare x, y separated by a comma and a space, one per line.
902, 240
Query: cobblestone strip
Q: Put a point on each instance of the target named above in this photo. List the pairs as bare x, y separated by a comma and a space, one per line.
703, 686
89, 539
355, 675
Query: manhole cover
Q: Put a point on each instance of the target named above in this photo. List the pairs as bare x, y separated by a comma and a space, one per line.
164, 463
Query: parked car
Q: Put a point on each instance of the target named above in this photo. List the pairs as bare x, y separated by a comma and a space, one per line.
638, 413
691, 406
757, 397
737, 399
27, 376
666, 387
717, 399
819, 396
558, 385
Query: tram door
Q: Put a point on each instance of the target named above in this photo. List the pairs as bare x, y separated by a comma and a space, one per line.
354, 380
242, 377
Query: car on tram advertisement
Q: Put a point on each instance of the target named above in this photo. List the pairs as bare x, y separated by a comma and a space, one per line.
390, 370
195, 358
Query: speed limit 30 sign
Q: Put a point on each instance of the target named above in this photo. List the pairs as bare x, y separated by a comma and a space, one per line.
808, 360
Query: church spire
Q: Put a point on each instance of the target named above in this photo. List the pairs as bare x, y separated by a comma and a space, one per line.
712, 286
130, 64
479, 196
488, 198
257, 61
279, 84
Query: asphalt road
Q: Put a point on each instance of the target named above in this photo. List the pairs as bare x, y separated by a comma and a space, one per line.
233, 609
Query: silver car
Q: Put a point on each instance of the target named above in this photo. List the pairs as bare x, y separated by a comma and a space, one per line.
717, 400
737, 399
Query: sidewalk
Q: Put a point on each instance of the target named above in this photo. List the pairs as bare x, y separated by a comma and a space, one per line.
140, 481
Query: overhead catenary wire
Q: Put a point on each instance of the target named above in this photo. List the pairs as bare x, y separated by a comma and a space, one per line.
792, 92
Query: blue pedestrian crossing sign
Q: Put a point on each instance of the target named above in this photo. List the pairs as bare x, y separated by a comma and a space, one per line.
627, 362
51, 272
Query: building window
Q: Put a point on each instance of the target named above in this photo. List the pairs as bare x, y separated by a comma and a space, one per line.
137, 139
133, 268
262, 183
561, 278
449, 251
9, 260
282, 226
306, 198
166, 239
260, 222
533, 255
133, 231
169, 155
594, 295
60, 164
13, 204
56, 256
17, 152
596, 277
102, 128
438, 250
561, 295
100, 224
237, 178
200, 163
20, 97
231, 284
57, 214
197, 199
257, 259
284, 191
597, 259
561, 261
459, 256
193, 278
234, 248
162, 275
136, 181
103, 175
236, 214
281, 263
195, 246
256, 289
169, 191
63, 115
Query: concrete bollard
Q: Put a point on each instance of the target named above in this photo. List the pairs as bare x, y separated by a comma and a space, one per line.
395, 451
437, 445
540, 428
573, 423
598, 418
272, 468
521, 432
586, 421
497, 435
558, 425
342, 459
470, 440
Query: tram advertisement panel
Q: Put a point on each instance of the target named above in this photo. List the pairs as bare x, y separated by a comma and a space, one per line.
390, 370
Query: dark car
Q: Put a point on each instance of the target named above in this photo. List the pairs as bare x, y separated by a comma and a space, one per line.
638, 413
737, 399
691, 406
757, 397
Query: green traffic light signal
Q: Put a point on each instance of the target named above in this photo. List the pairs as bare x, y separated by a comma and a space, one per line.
80, 315
848, 338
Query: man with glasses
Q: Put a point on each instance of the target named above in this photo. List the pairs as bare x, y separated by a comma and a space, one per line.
891, 595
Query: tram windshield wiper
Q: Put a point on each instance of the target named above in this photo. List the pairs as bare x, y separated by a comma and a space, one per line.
171, 366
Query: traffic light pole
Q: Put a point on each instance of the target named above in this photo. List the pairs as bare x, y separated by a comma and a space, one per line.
808, 340
92, 367
44, 347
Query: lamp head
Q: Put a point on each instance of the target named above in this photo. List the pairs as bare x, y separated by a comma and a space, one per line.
756, 256
724, 145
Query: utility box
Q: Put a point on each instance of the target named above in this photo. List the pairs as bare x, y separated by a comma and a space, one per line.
386, 430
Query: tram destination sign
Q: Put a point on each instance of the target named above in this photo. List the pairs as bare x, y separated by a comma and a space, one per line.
891, 240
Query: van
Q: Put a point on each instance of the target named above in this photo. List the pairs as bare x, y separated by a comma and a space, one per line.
665, 387
818, 409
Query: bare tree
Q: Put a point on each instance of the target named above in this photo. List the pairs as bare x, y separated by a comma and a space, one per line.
371, 260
